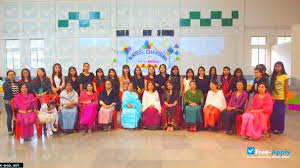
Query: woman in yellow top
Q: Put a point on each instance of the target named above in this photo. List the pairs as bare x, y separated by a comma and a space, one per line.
279, 90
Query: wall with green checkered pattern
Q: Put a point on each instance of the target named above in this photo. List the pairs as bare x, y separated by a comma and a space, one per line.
86, 30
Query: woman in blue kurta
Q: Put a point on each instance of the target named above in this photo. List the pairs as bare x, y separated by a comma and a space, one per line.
131, 107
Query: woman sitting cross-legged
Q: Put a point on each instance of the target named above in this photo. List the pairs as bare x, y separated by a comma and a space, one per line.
215, 103
151, 107
236, 106
193, 100
109, 102
171, 109
68, 108
131, 108
255, 119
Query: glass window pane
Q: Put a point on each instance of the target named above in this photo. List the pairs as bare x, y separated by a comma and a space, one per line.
262, 40
262, 56
254, 56
12, 44
34, 59
281, 40
37, 43
9, 59
16, 59
254, 40
40, 59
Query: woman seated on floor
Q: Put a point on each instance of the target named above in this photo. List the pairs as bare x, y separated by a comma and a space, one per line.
255, 120
236, 106
131, 108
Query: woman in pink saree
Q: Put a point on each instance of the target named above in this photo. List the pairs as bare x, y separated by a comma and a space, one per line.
88, 102
25, 105
254, 121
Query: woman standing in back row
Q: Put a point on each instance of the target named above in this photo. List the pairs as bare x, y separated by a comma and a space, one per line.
85, 77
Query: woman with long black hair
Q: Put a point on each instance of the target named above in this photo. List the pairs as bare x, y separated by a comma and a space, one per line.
238, 76
125, 78
26, 79
213, 76
57, 79
85, 77
99, 81
73, 78
279, 90
41, 85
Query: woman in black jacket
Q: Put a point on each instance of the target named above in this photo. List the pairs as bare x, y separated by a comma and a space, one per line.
11, 89
41, 85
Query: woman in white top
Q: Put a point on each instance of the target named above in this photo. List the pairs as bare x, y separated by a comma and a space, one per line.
151, 107
215, 103
189, 77
57, 79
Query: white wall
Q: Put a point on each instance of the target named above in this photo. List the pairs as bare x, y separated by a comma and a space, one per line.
269, 18
296, 55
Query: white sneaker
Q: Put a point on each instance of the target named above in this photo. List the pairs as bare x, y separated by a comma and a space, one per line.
49, 132
53, 129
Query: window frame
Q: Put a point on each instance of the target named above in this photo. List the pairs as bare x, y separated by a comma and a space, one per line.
13, 49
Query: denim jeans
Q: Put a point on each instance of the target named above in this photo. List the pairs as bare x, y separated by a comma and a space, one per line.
9, 117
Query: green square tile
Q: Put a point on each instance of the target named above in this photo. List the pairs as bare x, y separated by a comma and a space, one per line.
205, 22
226, 22
194, 15
215, 14
84, 23
94, 15
63, 23
73, 15
185, 22
235, 14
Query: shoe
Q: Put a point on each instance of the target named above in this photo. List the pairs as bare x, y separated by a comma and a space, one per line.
53, 129
10, 133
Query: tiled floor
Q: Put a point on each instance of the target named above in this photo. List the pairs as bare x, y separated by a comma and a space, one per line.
143, 148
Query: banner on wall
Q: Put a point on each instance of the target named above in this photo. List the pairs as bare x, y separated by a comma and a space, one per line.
144, 52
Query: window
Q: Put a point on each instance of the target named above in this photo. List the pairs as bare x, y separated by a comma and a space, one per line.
258, 56
284, 39
258, 50
37, 53
12, 54
258, 40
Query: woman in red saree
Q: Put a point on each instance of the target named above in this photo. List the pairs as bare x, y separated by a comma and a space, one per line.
254, 121
88, 102
226, 80
171, 110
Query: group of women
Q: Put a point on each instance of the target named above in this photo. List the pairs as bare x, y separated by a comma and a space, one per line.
163, 101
